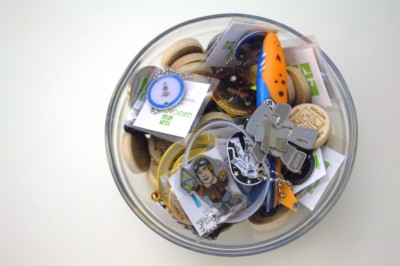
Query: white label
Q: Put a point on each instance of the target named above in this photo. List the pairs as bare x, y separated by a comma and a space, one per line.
310, 196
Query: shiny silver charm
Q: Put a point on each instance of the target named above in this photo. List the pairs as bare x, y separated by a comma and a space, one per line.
277, 135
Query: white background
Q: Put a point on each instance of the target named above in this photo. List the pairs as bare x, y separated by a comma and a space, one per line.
59, 64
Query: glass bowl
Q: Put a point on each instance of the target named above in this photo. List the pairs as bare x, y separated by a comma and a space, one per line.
241, 239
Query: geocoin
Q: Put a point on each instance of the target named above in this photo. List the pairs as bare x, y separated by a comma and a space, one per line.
235, 93
312, 116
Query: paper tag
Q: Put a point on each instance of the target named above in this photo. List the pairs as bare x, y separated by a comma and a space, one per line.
332, 160
304, 59
319, 171
225, 47
310, 196
176, 121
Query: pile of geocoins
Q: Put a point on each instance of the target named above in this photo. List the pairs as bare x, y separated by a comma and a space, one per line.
234, 100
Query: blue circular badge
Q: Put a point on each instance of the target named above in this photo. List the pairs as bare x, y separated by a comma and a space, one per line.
166, 91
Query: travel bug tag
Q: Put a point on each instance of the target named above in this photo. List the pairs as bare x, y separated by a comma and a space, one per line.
303, 137
303, 174
272, 129
260, 112
242, 163
293, 158
281, 112
166, 91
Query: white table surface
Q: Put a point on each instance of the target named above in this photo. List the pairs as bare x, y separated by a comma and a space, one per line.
59, 64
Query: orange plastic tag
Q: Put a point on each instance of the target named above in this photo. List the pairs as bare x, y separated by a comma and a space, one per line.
275, 75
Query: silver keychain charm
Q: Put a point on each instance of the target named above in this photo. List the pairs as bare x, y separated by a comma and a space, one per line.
274, 132
209, 218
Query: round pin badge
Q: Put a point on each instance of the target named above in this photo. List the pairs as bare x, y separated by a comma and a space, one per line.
166, 91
